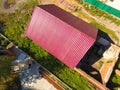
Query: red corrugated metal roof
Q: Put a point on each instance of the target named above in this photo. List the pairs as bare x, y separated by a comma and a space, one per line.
60, 33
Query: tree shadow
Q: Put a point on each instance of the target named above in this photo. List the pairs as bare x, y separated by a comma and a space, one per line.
2, 24
49, 61
91, 71
14, 85
94, 54
29, 75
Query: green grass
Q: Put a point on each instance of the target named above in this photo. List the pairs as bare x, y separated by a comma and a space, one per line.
100, 64
119, 66
30, 3
106, 30
8, 81
114, 82
109, 61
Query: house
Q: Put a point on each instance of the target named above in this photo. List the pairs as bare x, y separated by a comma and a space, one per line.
65, 36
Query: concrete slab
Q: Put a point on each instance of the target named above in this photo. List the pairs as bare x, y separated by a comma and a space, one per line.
32, 80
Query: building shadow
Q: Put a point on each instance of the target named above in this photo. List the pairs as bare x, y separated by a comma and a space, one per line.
94, 54
105, 36
110, 84
13, 84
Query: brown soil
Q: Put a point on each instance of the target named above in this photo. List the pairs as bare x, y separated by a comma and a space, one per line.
8, 5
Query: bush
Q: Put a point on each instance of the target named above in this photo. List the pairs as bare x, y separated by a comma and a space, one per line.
80, 1
116, 79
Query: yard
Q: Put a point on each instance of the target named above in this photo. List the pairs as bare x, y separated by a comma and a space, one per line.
14, 25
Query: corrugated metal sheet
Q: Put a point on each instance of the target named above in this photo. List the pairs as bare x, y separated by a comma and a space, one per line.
71, 20
68, 42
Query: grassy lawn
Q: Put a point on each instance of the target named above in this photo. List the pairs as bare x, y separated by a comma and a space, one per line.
8, 81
